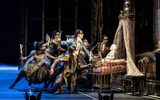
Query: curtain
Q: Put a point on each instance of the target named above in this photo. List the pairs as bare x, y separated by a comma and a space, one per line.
96, 21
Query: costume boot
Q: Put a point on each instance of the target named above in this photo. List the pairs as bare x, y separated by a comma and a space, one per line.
19, 77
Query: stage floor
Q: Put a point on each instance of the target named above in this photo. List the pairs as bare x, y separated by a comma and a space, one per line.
9, 73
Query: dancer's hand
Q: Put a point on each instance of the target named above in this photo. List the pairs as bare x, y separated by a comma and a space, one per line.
89, 64
23, 58
51, 71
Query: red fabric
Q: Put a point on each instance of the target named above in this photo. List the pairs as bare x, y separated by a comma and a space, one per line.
114, 66
113, 69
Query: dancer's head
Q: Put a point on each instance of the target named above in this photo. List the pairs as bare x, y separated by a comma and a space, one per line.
56, 35
38, 45
78, 33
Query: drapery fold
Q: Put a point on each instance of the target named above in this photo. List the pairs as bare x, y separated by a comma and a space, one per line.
124, 39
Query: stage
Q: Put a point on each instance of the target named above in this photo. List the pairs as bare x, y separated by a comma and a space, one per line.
8, 73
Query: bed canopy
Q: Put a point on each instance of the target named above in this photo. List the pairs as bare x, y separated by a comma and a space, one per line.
125, 39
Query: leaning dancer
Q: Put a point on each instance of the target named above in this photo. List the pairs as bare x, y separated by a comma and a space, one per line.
68, 76
54, 48
36, 68
53, 45
78, 43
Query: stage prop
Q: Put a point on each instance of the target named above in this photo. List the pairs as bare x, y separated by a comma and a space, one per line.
122, 69
30, 95
104, 72
106, 96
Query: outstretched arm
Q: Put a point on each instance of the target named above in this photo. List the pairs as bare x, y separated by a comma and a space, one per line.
65, 58
67, 42
60, 48
50, 56
87, 52
27, 57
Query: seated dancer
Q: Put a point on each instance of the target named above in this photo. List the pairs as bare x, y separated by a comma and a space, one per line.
77, 42
36, 68
104, 47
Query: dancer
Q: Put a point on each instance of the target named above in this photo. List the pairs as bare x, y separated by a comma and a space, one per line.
77, 42
36, 67
104, 47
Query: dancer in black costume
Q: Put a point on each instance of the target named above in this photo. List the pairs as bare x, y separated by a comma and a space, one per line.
55, 49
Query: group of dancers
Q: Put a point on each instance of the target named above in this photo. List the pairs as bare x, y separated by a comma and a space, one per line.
52, 64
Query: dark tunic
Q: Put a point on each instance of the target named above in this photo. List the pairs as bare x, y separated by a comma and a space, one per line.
53, 49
